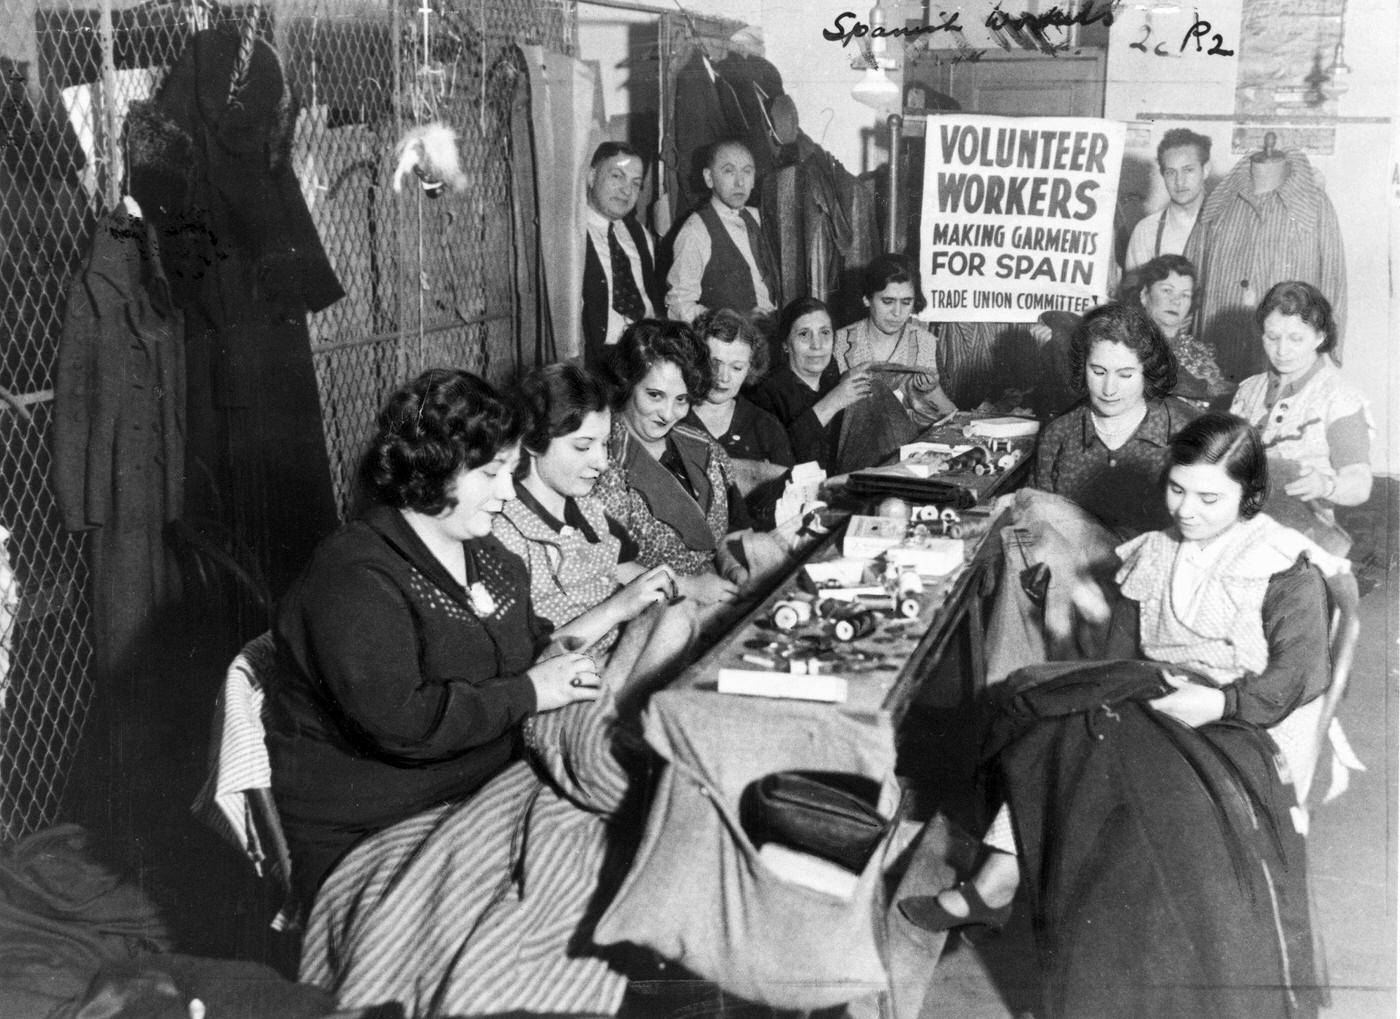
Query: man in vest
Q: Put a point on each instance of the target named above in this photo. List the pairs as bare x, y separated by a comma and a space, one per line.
1183, 158
722, 259
620, 285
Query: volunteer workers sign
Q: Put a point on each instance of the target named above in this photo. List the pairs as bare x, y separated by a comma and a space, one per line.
1018, 215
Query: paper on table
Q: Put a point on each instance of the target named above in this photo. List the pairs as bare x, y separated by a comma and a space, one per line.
755, 683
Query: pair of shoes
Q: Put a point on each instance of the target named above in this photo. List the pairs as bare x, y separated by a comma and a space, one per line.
926, 912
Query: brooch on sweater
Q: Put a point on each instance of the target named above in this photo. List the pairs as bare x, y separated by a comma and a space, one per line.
480, 599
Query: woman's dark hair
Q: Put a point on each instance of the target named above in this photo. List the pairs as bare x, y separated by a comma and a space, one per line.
1304, 300
728, 326
1128, 324
1219, 438
886, 269
557, 398
645, 343
796, 309
1149, 273
441, 423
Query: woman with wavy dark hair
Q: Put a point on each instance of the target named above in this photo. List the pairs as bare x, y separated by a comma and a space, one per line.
668, 484
1108, 449
436, 880
409, 652
577, 556
1150, 778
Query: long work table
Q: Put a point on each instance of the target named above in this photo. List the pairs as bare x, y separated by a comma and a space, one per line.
767, 918
894, 659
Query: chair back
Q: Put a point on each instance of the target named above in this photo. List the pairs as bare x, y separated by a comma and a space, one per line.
1345, 598
236, 799
1344, 631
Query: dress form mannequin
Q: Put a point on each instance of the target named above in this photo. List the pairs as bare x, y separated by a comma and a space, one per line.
1268, 168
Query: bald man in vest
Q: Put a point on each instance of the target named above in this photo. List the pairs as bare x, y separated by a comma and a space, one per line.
722, 259
620, 284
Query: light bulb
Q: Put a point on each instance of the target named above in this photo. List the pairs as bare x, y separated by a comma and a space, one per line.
876, 90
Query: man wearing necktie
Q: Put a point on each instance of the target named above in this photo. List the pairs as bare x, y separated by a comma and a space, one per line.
722, 259
620, 284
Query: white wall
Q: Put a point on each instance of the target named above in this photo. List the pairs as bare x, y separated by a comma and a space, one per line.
608, 36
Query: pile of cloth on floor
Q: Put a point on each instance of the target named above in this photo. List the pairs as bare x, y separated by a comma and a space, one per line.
82, 943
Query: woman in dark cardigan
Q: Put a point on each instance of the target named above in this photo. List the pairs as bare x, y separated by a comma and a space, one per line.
809, 394
755, 440
408, 650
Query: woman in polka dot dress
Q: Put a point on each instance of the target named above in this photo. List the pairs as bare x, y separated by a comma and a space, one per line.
579, 560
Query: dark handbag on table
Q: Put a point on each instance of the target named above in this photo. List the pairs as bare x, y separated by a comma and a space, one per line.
827, 814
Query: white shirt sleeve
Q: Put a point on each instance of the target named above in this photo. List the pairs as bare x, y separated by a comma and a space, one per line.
692, 253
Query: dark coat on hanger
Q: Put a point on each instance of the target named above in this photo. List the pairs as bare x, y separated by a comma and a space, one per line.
118, 431
754, 82
697, 122
246, 265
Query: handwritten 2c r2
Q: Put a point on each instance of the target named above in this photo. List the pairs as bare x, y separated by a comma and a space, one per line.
1200, 29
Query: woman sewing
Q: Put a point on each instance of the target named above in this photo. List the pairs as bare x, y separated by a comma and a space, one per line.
409, 652
1108, 449
670, 486
1316, 426
809, 394
901, 349
1146, 812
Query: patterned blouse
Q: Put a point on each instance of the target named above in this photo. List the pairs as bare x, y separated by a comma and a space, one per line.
669, 524
1320, 422
917, 347
1221, 628
572, 568
1121, 487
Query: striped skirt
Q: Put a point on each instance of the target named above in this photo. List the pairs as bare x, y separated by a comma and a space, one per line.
479, 907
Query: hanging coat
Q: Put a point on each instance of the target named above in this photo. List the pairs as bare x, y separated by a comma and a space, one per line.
1244, 243
246, 265
118, 432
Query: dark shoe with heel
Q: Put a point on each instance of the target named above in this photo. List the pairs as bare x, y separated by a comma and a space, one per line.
927, 913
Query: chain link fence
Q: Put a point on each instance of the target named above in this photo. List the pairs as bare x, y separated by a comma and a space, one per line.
428, 281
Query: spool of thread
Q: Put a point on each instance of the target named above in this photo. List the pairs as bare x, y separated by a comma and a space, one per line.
894, 508
909, 584
853, 627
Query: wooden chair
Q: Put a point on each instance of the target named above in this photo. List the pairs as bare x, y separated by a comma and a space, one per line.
236, 799
1345, 631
